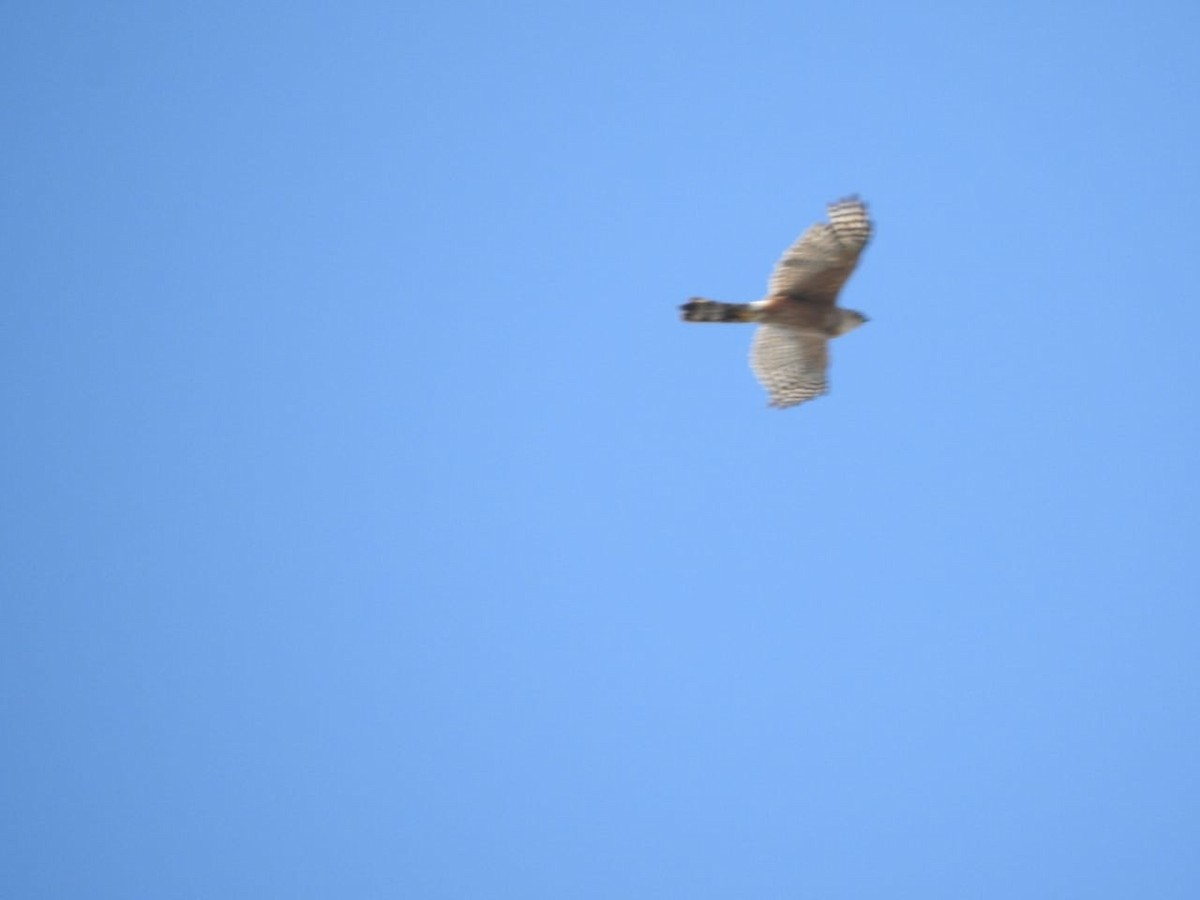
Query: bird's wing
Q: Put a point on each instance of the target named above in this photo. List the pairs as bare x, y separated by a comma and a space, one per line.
790, 364
819, 262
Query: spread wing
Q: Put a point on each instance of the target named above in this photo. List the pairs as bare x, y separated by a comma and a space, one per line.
821, 260
790, 364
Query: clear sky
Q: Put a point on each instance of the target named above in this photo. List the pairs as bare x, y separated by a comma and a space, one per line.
374, 529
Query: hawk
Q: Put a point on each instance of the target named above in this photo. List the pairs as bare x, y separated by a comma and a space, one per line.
800, 313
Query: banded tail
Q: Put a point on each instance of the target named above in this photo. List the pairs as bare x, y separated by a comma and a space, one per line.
700, 310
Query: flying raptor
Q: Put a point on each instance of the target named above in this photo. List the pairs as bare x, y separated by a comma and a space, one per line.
799, 315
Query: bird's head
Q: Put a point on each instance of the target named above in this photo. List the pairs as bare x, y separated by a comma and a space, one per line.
849, 320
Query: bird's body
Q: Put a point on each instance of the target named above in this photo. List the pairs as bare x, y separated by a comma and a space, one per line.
800, 314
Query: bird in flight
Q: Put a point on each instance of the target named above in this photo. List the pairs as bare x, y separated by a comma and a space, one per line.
799, 316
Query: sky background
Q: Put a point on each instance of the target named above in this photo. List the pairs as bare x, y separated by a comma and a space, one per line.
373, 528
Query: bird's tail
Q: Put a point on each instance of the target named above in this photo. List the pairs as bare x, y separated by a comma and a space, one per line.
700, 310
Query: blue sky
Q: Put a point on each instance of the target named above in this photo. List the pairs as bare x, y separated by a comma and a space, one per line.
374, 528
